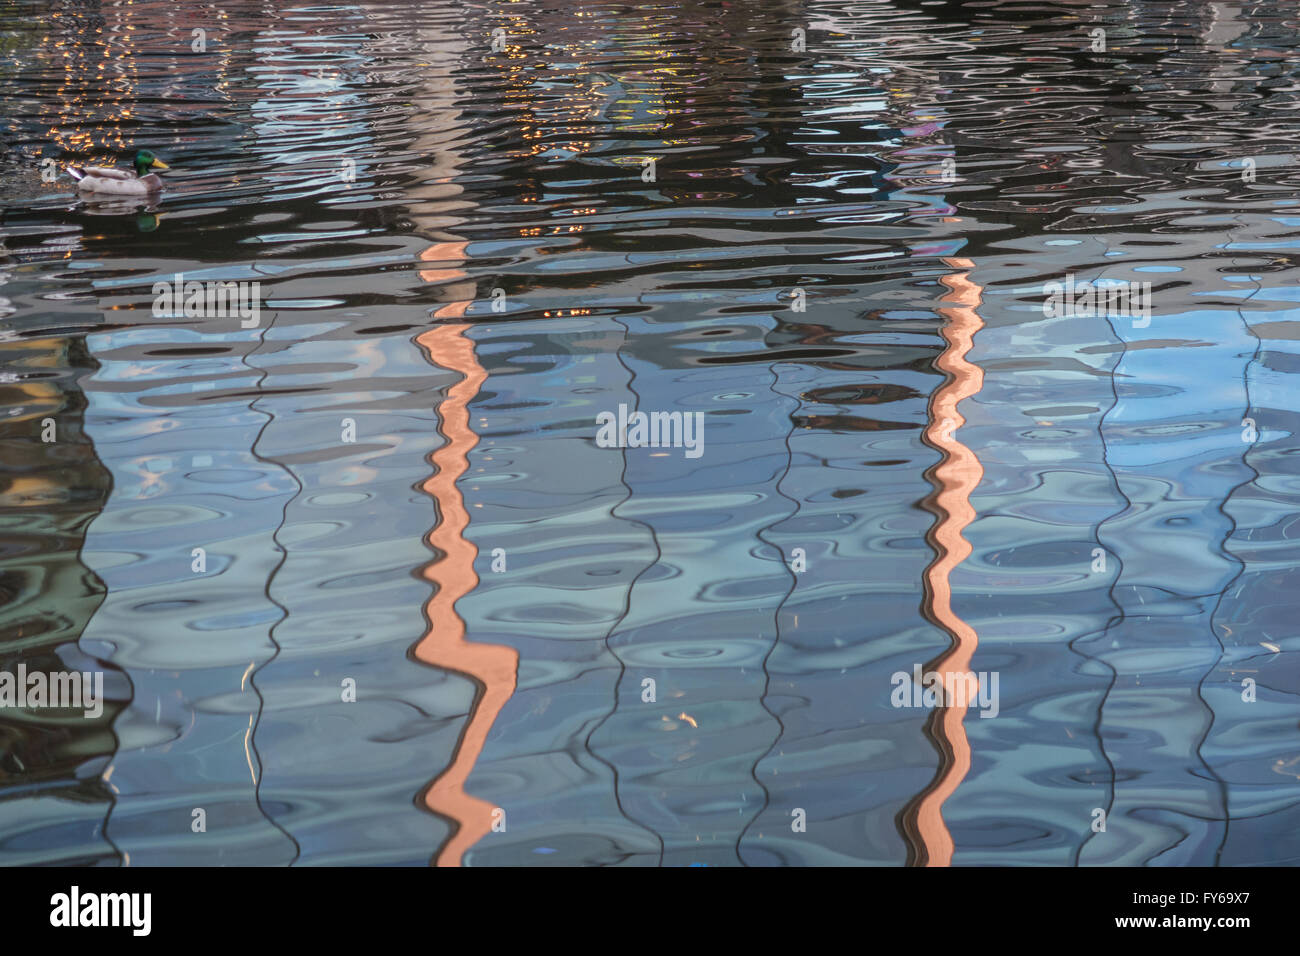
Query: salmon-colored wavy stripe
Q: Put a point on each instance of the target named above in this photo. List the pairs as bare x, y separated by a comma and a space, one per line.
492, 667
955, 477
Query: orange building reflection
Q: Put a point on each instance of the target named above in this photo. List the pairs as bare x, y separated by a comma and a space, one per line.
955, 477
492, 667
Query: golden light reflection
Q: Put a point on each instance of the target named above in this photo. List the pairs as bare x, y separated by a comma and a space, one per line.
99, 61
955, 478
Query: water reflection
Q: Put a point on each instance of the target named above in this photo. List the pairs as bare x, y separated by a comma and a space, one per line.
776, 169
492, 667
956, 478
53, 485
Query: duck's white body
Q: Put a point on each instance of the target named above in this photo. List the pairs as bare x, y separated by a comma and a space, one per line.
114, 182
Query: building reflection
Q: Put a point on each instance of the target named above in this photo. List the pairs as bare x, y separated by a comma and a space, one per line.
955, 478
492, 667
53, 487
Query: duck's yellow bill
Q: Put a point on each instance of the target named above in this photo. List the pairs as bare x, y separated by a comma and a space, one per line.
159, 164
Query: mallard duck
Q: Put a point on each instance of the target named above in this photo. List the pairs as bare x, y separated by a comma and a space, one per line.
118, 182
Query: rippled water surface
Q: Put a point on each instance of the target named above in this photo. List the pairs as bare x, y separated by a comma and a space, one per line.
565, 653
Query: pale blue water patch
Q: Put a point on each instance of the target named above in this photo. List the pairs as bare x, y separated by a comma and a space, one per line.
178, 440
700, 617
1175, 446
349, 725
1252, 619
850, 622
1029, 589
540, 490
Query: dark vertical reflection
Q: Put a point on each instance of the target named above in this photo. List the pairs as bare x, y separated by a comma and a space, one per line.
52, 803
655, 553
53, 798
255, 755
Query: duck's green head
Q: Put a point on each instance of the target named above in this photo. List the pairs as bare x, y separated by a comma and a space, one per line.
145, 160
